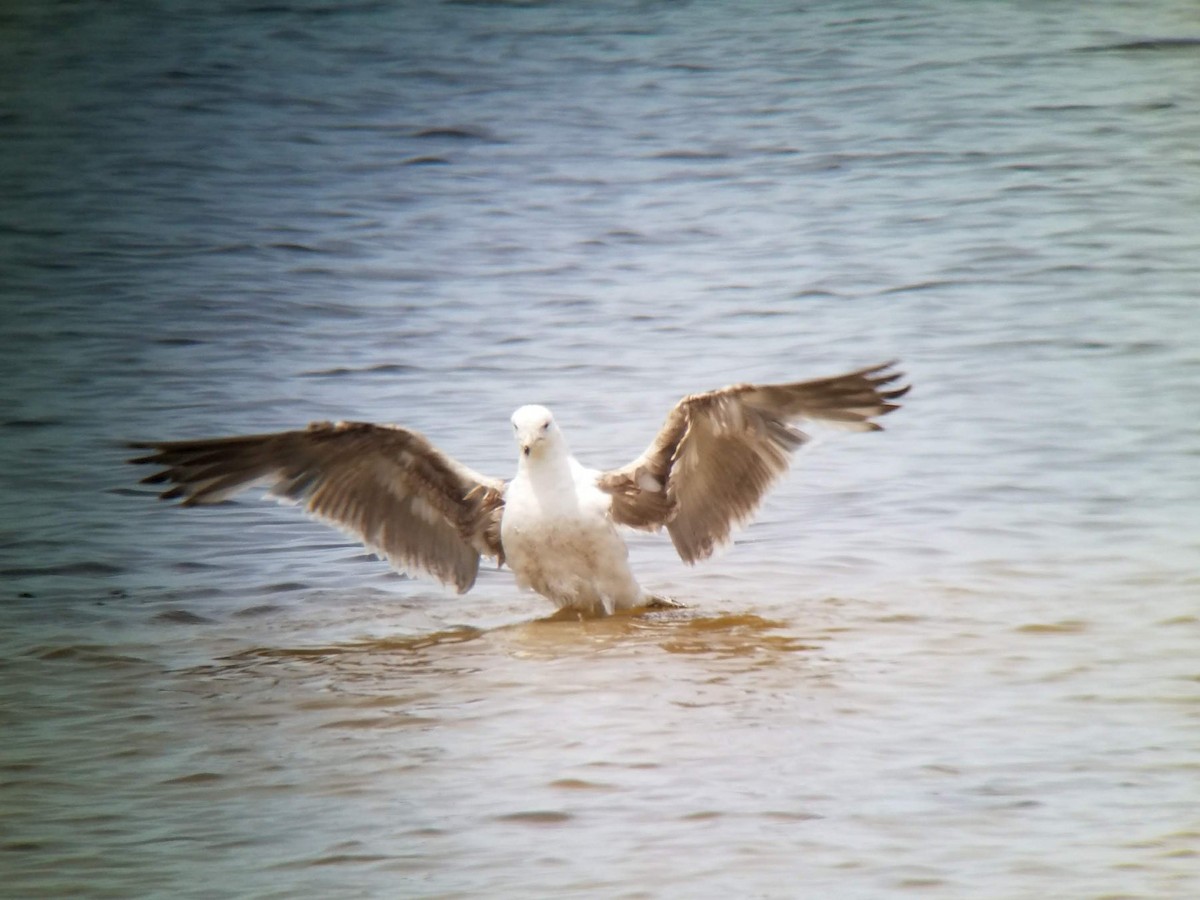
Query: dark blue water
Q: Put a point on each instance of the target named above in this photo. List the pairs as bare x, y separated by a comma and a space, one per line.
953, 659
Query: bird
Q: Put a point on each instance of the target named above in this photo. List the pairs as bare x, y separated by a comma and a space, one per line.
556, 523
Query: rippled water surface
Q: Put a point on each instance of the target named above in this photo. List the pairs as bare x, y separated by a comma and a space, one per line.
958, 658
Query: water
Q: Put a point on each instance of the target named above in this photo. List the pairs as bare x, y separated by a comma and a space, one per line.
953, 659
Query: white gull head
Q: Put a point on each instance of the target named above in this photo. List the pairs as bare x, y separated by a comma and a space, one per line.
536, 431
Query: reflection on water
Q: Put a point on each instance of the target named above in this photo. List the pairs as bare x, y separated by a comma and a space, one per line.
388, 645
379, 756
953, 659
555, 637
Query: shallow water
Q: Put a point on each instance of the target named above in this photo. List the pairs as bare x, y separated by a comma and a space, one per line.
957, 658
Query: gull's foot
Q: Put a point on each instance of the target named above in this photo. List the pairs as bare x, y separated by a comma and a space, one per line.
655, 602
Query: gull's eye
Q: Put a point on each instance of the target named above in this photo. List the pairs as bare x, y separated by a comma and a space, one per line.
545, 426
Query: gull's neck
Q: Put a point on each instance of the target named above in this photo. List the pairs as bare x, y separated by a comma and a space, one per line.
549, 465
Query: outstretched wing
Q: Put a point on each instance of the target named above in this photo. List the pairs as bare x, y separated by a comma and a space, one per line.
385, 485
717, 453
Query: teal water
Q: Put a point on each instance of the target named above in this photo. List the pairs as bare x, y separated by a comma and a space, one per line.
953, 659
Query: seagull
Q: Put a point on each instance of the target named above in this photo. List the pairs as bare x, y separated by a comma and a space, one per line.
555, 523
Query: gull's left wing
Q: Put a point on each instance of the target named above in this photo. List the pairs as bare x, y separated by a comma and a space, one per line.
717, 453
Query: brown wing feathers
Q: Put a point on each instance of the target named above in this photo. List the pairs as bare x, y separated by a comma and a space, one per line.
852, 399
720, 469
385, 485
718, 453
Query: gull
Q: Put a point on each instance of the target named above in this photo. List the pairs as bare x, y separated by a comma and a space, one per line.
555, 523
